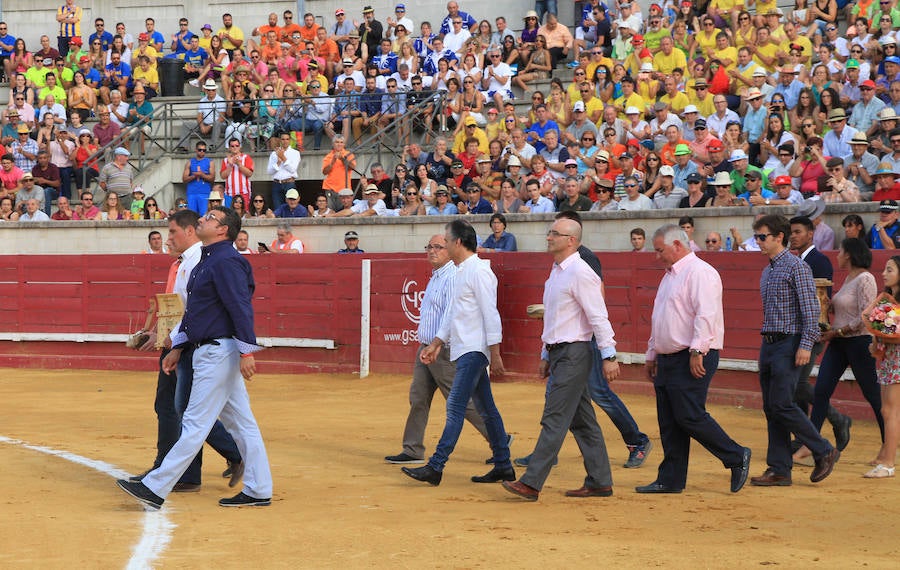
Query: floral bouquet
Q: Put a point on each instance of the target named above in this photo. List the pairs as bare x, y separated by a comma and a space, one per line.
882, 319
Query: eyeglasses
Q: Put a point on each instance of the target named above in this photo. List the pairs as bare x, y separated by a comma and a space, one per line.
412, 193
630, 185
556, 234
510, 120
210, 217
707, 24
434, 247
571, 166
269, 90
580, 73
20, 98
762, 237
740, 19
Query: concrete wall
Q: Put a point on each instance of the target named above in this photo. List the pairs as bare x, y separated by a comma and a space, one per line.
603, 231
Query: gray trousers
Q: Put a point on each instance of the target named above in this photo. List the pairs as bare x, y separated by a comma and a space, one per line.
426, 380
567, 407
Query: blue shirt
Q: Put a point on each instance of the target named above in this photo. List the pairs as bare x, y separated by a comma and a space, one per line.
105, 38
370, 102
755, 123
179, 48
219, 294
92, 77
196, 58
764, 193
199, 187
285, 211
790, 304
386, 61
467, 20
9, 40
791, 93
435, 301
506, 242
482, 207
121, 70
539, 132
449, 210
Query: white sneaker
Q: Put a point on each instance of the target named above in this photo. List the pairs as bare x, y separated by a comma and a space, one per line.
194, 83
880, 472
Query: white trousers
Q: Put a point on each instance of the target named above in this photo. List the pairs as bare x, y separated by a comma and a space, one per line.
218, 392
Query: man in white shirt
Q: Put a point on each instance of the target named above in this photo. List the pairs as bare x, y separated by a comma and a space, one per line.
497, 80
283, 164
574, 311
473, 330
33, 212
373, 205
456, 38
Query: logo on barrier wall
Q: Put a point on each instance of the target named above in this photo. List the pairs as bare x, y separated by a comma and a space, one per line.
411, 300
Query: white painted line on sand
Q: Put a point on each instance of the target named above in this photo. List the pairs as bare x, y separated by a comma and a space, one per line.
157, 532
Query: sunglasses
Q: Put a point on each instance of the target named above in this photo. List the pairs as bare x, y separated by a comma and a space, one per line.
712, 241
412, 193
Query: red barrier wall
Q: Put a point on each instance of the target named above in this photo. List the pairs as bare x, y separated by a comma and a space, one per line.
318, 296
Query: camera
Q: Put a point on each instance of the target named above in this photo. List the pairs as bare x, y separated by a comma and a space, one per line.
807, 148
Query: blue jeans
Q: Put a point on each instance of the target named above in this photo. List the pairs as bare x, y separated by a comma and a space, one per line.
65, 181
218, 438
778, 376
278, 192
307, 125
471, 383
610, 403
543, 7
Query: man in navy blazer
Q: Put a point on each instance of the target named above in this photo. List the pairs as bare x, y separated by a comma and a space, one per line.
802, 230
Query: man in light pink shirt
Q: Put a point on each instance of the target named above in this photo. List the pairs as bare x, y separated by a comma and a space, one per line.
574, 311
687, 332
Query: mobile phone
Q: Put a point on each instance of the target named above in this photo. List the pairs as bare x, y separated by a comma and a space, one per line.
262, 245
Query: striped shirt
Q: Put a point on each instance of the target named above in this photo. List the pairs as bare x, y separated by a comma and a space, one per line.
237, 183
436, 301
70, 27
790, 304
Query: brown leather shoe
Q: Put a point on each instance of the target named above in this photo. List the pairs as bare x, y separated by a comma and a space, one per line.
185, 488
586, 491
771, 479
521, 489
825, 465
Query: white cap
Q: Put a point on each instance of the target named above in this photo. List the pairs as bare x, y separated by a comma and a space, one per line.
646, 67
666, 170
632, 111
690, 109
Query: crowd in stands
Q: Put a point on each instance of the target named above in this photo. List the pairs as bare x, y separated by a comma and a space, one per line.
689, 104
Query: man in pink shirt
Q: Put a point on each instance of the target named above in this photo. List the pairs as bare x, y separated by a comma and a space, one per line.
574, 310
687, 332
86, 210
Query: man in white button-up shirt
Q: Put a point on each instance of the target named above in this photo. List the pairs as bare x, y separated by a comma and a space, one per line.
438, 375
573, 312
472, 328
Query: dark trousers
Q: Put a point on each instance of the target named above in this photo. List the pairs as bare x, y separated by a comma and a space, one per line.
168, 425
778, 380
65, 181
681, 412
567, 408
850, 351
803, 394
218, 438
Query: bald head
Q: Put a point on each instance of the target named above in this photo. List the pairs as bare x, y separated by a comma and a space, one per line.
571, 227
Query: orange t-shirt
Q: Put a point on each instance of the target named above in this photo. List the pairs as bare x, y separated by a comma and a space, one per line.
338, 178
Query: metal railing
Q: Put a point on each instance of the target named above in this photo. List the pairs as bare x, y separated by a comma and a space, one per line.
170, 119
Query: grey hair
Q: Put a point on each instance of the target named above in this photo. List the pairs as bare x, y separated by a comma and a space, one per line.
285, 226
670, 233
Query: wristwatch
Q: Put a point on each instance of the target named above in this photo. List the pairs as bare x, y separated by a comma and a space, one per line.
610, 358
768, 201
697, 352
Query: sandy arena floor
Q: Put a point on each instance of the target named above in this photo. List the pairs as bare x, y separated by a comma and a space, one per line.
338, 505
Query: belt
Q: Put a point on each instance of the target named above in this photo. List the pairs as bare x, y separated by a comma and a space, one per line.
206, 341
773, 337
558, 345
284, 181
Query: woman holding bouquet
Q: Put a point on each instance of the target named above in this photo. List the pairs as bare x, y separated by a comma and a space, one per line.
848, 340
889, 378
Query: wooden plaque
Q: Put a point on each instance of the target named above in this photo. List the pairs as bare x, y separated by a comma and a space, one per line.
170, 310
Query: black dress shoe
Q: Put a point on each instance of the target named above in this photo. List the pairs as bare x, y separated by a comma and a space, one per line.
739, 474
425, 473
825, 465
656, 488
496, 474
842, 432
138, 478
140, 492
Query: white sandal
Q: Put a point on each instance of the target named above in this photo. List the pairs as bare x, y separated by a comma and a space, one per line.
879, 472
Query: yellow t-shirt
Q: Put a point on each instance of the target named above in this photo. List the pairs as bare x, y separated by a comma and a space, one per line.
666, 63
235, 32
595, 105
676, 103
574, 92
705, 108
705, 42
768, 50
149, 52
634, 100
633, 63
151, 77
728, 53
644, 89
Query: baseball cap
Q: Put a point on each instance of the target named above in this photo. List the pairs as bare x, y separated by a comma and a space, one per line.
456, 164
400, 8
84, 59
700, 124
632, 111
867, 83
120, 150
888, 206
693, 177
345, 192
892, 59
782, 181
715, 145
852, 64
143, 36
738, 154
138, 190
339, 12
292, 193
76, 41
754, 174
351, 235
666, 170
637, 39
578, 106
690, 109
514, 161
470, 120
